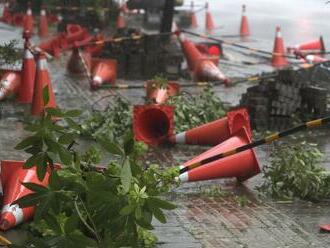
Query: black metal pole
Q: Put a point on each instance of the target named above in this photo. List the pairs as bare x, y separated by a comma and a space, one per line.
168, 13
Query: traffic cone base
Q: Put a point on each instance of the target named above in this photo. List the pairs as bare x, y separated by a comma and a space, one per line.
242, 165
12, 176
153, 124
215, 132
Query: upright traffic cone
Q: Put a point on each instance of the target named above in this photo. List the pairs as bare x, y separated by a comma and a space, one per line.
121, 23
43, 25
9, 84
279, 59
79, 62
160, 94
42, 80
25, 93
6, 15
244, 28
153, 124
194, 23
215, 132
209, 24
243, 165
12, 177
103, 71
314, 45
28, 20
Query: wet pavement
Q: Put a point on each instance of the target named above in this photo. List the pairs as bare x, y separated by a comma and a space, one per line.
201, 220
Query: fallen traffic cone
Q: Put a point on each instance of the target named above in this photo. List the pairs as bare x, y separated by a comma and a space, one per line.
25, 93
206, 70
153, 124
243, 165
28, 20
9, 84
42, 80
215, 132
103, 71
325, 228
75, 32
159, 94
192, 54
79, 62
244, 29
12, 177
314, 59
279, 59
194, 23
43, 25
121, 23
209, 24
314, 45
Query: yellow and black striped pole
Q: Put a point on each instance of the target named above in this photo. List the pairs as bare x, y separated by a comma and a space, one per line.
266, 140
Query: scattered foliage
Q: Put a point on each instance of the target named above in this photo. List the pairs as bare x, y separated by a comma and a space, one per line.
294, 171
9, 54
85, 205
191, 111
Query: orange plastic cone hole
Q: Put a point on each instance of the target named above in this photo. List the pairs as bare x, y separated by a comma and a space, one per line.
12, 175
243, 165
153, 124
214, 50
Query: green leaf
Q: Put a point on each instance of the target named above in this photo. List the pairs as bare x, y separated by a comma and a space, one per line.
111, 147
72, 124
35, 187
67, 138
126, 210
27, 142
126, 176
45, 95
156, 202
30, 200
56, 112
71, 224
159, 215
73, 113
53, 223
65, 156
41, 172
35, 160
54, 181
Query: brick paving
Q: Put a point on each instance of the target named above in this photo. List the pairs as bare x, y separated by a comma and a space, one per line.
199, 220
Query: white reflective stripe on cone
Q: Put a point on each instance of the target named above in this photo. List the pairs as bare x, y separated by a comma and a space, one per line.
42, 64
28, 54
29, 12
98, 80
180, 138
43, 12
16, 211
4, 84
184, 177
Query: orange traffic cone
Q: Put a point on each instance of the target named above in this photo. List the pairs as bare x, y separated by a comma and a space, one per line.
215, 132
159, 94
279, 59
243, 165
12, 176
6, 15
192, 54
25, 93
194, 23
121, 23
43, 25
79, 62
9, 84
75, 32
42, 80
209, 24
28, 20
103, 71
244, 29
314, 45
206, 70
325, 228
153, 124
